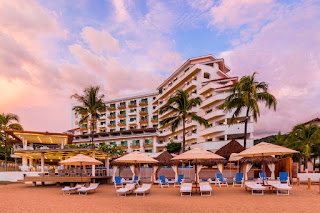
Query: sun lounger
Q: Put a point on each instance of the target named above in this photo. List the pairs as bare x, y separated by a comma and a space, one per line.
220, 180
280, 187
211, 181
284, 177
186, 189
85, 190
143, 190
205, 189
254, 187
67, 190
163, 181
127, 189
238, 180
180, 180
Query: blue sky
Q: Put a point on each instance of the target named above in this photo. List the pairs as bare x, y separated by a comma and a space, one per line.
52, 49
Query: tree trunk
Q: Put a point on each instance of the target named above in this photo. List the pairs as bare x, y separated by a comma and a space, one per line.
92, 133
183, 134
245, 129
314, 164
5, 154
305, 164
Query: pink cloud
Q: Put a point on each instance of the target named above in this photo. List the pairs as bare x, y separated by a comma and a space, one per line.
100, 41
286, 55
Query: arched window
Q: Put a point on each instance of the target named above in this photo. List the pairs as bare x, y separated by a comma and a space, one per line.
206, 75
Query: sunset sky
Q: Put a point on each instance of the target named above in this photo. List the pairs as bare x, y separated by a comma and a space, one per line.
52, 49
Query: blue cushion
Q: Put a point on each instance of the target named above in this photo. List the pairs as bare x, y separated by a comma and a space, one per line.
117, 179
239, 177
283, 176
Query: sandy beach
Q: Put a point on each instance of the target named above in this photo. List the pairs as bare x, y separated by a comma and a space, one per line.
25, 198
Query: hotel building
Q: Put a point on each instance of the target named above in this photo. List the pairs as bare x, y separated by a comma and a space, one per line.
132, 122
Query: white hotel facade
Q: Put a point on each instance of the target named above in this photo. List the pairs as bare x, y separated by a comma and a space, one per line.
132, 122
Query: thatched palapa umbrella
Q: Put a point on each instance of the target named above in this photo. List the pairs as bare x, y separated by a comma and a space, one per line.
135, 158
197, 154
264, 149
80, 160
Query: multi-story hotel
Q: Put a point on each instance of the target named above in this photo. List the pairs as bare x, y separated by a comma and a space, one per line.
132, 122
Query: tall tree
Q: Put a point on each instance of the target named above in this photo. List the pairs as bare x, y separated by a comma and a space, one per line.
8, 121
245, 95
279, 139
182, 106
91, 103
305, 139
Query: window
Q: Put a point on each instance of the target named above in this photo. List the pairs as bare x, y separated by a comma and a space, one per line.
112, 105
206, 75
123, 112
148, 150
209, 139
124, 143
133, 127
144, 126
194, 131
102, 130
133, 110
154, 98
112, 130
84, 125
113, 143
113, 114
144, 100
186, 69
133, 102
112, 122
148, 141
154, 107
160, 90
122, 129
84, 133
122, 103
133, 119
155, 117
155, 126
145, 109
122, 121
103, 114
175, 137
144, 118
136, 143
102, 123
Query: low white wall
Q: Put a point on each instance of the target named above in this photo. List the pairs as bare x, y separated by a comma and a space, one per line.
15, 176
304, 177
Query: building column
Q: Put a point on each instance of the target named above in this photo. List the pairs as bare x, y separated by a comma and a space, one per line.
107, 165
62, 143
24, 161
93, 166
30, 162
225, 137
24, 145
42, 162
155, 142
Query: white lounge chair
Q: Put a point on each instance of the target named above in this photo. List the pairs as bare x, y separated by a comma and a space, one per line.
280, 187
205, 189
143, 190
67, 190
211, 181
91, 187
128, 188
254, 187
186, 189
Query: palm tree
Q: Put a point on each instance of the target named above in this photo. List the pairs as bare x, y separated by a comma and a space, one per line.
181, 105
305, 138
92, 103
245, 95
279, 139
8, 121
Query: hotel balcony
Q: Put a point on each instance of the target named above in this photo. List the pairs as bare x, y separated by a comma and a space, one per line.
191, 135
132, 122
213, 113
143, 122
121, 106
122, 124
111, 125
213, 98
123, 145
135, 145
148, 144
131, 105
83, 128
132, 113
143, 112
112, 116
112, 108
154, 120
122, 115
211, 130
190, 85
143, 103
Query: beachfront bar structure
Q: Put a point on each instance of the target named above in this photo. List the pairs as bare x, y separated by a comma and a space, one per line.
39, 150
127, 118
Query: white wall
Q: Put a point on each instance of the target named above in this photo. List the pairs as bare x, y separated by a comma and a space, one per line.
15, 176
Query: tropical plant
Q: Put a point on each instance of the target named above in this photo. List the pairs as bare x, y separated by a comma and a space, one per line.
306, 138
112, 149
8, 121
279, 139
181, 105
91, 103
245, 95
173, 147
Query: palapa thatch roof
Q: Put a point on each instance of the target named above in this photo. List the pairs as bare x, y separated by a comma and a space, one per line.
259, 160
231, 147
209, 162
165, 159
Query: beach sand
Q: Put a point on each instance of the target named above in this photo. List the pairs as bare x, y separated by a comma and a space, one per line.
26, 198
